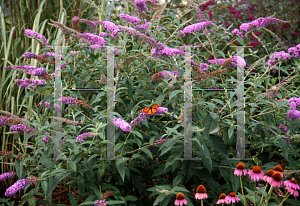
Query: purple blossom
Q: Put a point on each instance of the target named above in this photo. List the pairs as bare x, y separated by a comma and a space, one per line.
29, 55
7, 175
90, 23
167, 52
143, 27
161, 141
237, 32
63, 65
175, 73
131, 19
5, 120
92, 38
287, 140
293, 114
142, 116
203, 67
21, 127
26, 82
132, 31
140, 5
47, 104
195, 27
110, 26
74, 52
83, 136
46, 139
19, 185
238, 61
25, 69
103, 34
283, 128
31, 33
53, 74
40, 72
274, 58
68, 100
100, 203
76, 19
260, 22
295, 50
122, 124
182, 33
216, 61
294, 102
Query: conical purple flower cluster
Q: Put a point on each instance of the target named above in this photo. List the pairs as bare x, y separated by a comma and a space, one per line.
21, 127
140, 5
275, 57
238, 61
29, 55
131, 19
7, 175
216, 61
33, 34
83, 136
122, 124
167, 51
195, 27
260, 22
175, 73
29, 82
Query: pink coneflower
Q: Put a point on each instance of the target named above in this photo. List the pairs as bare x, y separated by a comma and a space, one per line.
240, 168
256, 174
268, 176
292, 186
276, 180
292, 183
180, 199
231, 198
279, 169
201, 193
221, 199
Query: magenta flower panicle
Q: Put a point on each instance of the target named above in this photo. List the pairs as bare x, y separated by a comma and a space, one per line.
7, 175
83, 136
131, 19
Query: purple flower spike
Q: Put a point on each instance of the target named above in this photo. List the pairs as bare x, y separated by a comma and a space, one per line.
216, 61
140, 5
7, 175
21, 127
238, 61
110, 26
76, 19
19, 185
84, 136
195, 27
122, 124
237, 32
131, 19
40, 72
167, 52
293, 114
29, 55
33, 34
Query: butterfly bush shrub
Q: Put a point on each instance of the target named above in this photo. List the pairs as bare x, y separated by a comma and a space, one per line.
149, 68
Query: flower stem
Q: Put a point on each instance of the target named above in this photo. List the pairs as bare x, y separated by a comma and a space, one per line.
269, 194
263, 195
242, 190
201, 202
254, 193
285, 198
